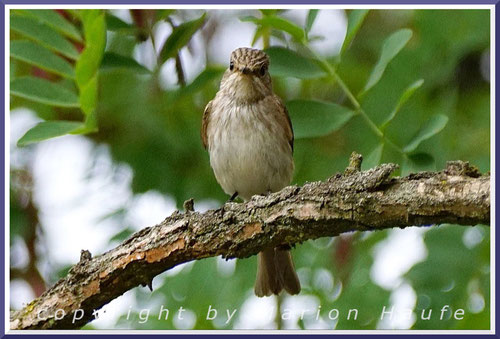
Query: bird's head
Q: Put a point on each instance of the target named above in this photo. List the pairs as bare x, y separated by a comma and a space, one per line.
247, 77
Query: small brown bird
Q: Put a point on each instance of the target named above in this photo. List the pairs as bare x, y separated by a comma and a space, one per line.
248, 134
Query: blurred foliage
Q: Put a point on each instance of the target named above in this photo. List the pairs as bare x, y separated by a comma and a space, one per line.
407, 86
466, 282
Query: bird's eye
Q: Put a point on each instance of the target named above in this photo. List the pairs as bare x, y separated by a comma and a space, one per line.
263, 70
231, 65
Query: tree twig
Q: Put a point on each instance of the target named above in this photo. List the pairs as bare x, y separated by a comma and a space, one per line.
353, 201
181, 78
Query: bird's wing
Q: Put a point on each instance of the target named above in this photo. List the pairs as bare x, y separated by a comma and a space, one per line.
204, 124
285, 120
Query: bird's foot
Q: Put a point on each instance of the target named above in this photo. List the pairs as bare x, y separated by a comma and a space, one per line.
235, 194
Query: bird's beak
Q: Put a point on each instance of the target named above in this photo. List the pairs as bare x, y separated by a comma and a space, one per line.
245, 70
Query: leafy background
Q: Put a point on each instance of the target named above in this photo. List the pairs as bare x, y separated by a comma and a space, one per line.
404, 86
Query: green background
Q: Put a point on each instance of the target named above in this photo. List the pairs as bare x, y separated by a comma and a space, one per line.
92, 86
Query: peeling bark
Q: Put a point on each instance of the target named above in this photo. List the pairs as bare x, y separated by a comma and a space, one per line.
353, 201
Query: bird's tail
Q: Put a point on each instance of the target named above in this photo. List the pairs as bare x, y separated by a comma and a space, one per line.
275, 272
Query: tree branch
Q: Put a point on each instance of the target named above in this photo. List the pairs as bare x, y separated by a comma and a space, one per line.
353, 201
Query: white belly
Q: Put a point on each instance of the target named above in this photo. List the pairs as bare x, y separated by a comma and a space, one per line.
246, 155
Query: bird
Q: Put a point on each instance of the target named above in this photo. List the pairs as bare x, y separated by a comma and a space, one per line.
248, 134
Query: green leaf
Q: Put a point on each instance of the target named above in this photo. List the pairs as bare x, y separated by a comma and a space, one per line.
43, 34
257, 35
311, 17
74, 12
43, 91
374, 157
285, 25
94, 24
87, 16
88, 96
311, 118
41, 57
287, 63
114, 23
179, 37
430, 128
391, 47
48, 129
14, 66
280, 24
268, 12
278, 34
402, 100
90, 124
95, 41
111, 61
354, 21
55, 20
162, 14
417, 163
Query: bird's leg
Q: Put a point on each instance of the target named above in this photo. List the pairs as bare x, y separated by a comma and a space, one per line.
235, 194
